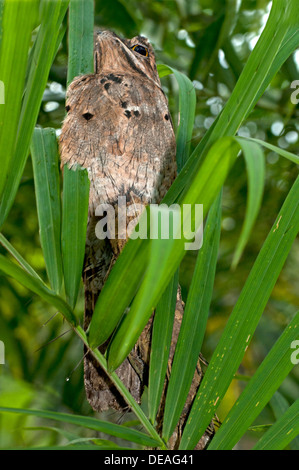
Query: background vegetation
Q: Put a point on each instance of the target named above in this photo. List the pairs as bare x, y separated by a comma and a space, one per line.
210, 41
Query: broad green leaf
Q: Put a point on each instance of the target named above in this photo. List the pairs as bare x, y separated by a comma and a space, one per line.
44, 155
36, 285
81, 24
266, 380
194, 321
19, 19
244, 319
90, 423
282, 432
255, 163
45, 46
74, 226
160, 345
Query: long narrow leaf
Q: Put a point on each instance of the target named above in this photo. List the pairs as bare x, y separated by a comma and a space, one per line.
284, 153
141, 309
26, 266
71, 447
75, 181
137, 410
19, 19
184, 178
129, 287
122, 282
269, 376
194, 321
255, 163
37, 286
278, 40
244, 319
203, 189
282, 19
74, 226
187, 102
44, 49
280, 405
164, 314
160, 345
81, 22
259, 64
1, 20
90, 423
44, 155
282, 432
126, 286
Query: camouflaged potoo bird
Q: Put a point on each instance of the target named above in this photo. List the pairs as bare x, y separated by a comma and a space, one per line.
118, 126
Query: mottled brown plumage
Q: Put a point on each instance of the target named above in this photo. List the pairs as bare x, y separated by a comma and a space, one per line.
118, 126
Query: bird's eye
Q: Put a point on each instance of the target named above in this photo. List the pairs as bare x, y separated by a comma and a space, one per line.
140, 49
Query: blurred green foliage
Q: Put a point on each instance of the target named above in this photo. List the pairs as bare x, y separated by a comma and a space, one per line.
210, 41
